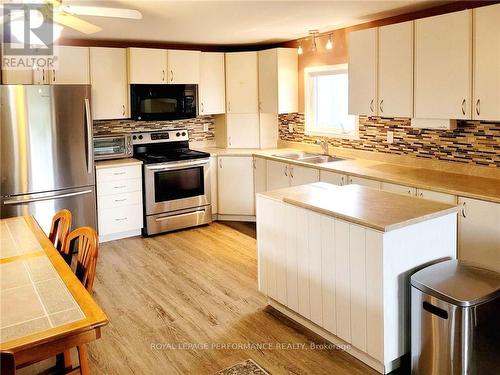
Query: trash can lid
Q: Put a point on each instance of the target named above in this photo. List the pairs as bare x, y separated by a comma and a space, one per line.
457, 282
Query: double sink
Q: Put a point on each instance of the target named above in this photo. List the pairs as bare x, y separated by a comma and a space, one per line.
308, 157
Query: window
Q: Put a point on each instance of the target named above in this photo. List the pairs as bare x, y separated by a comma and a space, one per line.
326, 93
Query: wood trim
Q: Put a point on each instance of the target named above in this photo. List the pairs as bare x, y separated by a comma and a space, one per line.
94, 316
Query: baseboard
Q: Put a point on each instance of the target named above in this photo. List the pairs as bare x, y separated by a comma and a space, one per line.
236, 218
337, 341
118, 236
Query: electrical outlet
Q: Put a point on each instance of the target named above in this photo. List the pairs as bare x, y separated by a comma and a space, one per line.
390, 137
205, 127
290, 128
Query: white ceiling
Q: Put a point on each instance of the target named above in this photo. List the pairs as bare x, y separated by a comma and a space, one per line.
236, 22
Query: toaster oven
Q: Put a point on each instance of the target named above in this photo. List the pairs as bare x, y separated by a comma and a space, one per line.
114, 146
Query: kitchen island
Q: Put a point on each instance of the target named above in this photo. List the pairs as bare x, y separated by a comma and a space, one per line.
337, 259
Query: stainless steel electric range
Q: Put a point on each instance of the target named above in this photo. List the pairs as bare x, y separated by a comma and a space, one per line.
176, 181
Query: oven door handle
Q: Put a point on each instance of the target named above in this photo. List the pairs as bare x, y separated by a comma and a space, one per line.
180, 215
177, 165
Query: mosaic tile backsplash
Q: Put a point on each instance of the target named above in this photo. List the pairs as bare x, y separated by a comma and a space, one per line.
472, 142
195, 127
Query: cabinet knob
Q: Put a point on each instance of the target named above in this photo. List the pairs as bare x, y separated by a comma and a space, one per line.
371, 105
463, 210
286, 170
478, 107
171, 76
291, 172
381, 106
123, 109
53, 75
464, 106
202, 108
163, 75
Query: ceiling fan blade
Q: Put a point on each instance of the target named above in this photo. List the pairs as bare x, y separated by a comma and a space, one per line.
83, 10
76, 23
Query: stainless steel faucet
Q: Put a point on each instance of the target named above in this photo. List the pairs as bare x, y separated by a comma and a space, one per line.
324, 145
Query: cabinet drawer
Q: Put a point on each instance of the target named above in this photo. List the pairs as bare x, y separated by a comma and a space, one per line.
118, 173
119, 200
118, 187
120, 219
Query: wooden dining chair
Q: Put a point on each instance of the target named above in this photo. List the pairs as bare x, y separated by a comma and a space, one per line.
85, 241
59, 230
7, 363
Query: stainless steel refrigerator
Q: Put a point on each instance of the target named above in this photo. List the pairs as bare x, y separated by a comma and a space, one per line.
47, 153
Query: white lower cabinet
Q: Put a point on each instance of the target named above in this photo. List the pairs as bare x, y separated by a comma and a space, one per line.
436, 196
398, 189
479, 232
333, 178
213, 184
119, 202
235, 186
346, 280
259, 174
363, 182
280, 175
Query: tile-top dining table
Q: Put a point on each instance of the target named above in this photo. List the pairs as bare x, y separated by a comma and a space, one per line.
44, 309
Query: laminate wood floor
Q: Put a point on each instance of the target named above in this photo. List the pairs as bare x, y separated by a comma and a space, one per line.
187, 303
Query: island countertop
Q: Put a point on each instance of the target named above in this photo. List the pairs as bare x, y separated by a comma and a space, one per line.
379, 210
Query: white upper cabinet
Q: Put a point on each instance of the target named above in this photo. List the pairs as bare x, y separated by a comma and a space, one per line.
363, 72
147, 65
212, 90
108, 77
278, 80
183, 67
241, 82
486, 44
443, 66
242, 130
17, 76
395, 70
72, 66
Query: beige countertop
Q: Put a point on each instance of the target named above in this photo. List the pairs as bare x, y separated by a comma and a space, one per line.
375, 209
116, 163
424, 178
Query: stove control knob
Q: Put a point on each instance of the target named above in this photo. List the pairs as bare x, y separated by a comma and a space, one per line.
140, 137
177, 134
183, 134
134, 137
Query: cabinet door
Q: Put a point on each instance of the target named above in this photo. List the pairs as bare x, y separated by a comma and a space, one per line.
183, 67
236, 192
436, 196
303, 256
342, 281
302, 175
314, 259
479, 234
108, 77
17, 77
268, 81
259, 174
332, 178
398, 189
73, 66
328, 273
212, 88
486, 43
395, 70
268, 130
363, 72
147, 65
277, 175
288, 80
443, 66
41, 76
241, 82
357, 268
364, 182
242, 130
213, 183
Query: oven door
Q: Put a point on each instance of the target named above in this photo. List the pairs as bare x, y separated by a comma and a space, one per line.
176, 186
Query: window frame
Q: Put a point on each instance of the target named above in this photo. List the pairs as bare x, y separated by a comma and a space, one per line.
309, 73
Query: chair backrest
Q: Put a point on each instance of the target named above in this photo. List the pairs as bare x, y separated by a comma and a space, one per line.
61, 226
87, 254
7, 363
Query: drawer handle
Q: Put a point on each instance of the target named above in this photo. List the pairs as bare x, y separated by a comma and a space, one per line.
121, 200
435, 310
120, 186
464, 106
118, 173
463, 210
121, 219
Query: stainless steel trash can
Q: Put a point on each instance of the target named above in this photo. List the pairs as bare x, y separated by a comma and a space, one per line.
455, 320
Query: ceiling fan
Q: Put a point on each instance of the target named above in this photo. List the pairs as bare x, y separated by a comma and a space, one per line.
67, 15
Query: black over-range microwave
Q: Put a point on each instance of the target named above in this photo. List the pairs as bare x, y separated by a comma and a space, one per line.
163, 102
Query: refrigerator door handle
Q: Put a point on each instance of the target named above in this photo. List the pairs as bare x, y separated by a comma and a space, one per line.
45, 198
90, 152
